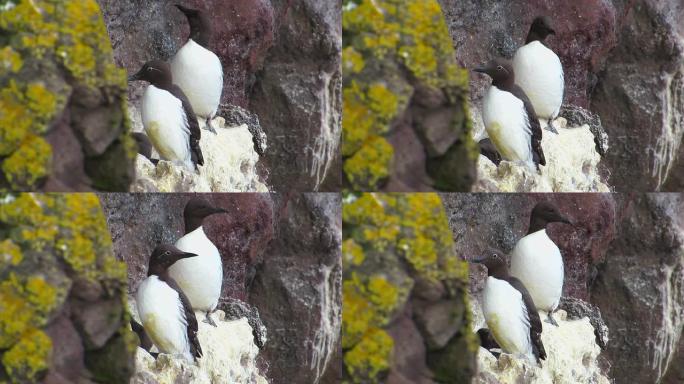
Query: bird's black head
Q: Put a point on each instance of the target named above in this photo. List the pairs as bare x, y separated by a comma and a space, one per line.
540, 28
495, 262
200, 25
544, 213
163, 257
500, 70
196, 210
156, 72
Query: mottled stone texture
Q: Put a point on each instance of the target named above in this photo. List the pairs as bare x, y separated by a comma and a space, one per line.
405, 306
406, 120
62, 293
281, 60
623, 254
277, 251
298, 96
63, 124
640, 289
624, 60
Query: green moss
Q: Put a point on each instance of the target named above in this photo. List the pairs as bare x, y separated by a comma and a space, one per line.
370, 166
371, 357
29, 357
29, 164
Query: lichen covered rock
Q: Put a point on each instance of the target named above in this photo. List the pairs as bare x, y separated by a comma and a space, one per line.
399, 264
572, 165
62, 99
403, 90
572, 357
230, 165
230, 356
58, 277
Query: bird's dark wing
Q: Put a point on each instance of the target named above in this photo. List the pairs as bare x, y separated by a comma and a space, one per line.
193, 126
533, 316
535, 128
192, 327
488, 150
145, 341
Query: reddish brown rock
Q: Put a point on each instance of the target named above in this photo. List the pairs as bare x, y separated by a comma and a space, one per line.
281, 255
623, 255
281, 61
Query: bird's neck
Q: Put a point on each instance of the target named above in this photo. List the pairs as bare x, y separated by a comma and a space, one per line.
536, 224
192, 223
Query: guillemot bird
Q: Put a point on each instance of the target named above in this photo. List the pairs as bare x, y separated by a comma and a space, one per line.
196, 69
168, 117
538, 71
509, 310
200, 277
509, 117
166, 315
537, 262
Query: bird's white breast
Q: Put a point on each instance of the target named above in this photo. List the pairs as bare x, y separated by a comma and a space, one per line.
506, 316
198, 72
538, 71
537, 262
162, 315
201, 276
507, 125
166, 125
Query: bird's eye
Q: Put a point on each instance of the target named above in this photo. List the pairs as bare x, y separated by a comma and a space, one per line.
499, 68
167, 253
149, 69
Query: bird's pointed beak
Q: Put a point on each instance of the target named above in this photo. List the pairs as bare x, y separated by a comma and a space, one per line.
134, 77
564, 219
219, 210
478, 260
480, 69
186, 255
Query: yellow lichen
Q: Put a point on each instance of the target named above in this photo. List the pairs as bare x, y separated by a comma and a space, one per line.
370, 357
29, 164
29, 357
352, 253
10, 254
59, 34
368, 167
385, 39
400, 236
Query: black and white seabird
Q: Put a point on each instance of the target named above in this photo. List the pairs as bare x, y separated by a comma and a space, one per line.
165, 311
509, 117
537, 262
509, 310
168, 117
538, 71
200, 277
196, 69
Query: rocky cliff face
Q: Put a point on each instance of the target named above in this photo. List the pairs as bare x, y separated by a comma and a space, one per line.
288, 75
63, 123
623, 254
280, 254
406, 315
623, 60
62, 293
